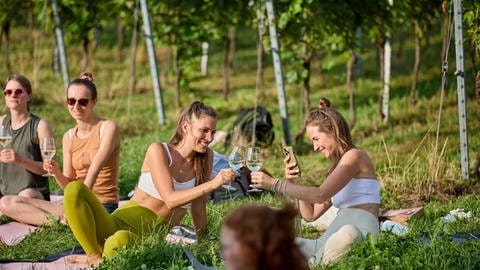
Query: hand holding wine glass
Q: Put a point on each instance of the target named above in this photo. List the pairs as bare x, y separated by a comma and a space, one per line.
47, 148
5, 136
254, 162
236, 160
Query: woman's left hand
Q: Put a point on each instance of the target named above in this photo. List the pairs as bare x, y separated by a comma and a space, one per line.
261, 180
8, 155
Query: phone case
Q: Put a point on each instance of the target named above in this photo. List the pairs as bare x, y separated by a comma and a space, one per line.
288, 152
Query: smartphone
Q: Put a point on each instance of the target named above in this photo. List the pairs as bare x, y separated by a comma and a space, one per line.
288, 152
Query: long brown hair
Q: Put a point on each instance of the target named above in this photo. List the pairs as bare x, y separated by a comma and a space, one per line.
332, 123
202, 162
268, 237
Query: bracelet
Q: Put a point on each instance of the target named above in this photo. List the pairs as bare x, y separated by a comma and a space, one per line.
284, 191
274, 185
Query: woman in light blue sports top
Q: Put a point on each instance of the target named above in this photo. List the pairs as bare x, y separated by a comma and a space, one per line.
351, 185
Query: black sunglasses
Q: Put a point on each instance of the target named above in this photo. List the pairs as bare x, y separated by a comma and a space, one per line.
82, 102
9, 92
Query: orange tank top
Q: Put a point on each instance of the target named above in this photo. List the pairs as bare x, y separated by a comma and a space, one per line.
83, 151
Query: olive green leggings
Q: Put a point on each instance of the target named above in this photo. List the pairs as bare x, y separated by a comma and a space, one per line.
96, 230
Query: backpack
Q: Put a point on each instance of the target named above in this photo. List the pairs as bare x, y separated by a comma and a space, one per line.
242, 128
238, 189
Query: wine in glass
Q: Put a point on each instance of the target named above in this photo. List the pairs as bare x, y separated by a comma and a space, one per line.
254, 162
47, 148
236, 160
5, 136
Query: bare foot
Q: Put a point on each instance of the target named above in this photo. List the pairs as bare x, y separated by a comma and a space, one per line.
94, 259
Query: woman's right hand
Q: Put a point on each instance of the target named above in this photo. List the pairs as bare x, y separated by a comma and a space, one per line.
225, 176
292, 171
50, 165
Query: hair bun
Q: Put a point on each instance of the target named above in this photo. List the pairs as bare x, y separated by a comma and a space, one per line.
324, 103
86, 76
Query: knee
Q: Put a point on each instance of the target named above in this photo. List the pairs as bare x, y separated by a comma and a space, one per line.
117, 240
340, 242
73, 189
31, 193
8, 202
349, 232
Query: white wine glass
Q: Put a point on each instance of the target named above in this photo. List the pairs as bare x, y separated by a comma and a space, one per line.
48, 150
236, 160
5, 136
254, 162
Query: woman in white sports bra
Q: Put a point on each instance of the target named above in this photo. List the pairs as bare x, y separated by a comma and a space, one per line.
351, 185
173, 174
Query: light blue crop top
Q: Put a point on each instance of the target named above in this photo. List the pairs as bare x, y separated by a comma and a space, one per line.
357, 191
145, 182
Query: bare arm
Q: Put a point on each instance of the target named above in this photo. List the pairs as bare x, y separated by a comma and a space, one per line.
36, 167
68, 174
352, 164
199, 215
109, 140
156, 161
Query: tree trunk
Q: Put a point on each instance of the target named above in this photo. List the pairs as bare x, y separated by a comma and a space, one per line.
121, 39
260, 57
416, 65
477, 87
473, 57
178, 75
30, 31
226, 69
85, 44
6, 31
381, 61
350, 78
233, 48
133, 54
445, 30
307, 63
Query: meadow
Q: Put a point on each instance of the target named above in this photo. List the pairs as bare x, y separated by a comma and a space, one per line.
403, 149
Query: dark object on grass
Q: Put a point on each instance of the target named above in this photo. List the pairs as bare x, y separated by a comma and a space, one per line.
242, 129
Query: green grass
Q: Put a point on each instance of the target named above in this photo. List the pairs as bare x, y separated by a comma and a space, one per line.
402, 150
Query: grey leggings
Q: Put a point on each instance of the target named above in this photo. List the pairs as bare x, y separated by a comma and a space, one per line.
350, 225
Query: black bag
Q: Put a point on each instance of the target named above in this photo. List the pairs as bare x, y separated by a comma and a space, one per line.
242, 128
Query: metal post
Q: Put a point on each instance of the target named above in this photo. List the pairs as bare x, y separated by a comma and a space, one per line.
153, 60
60, 44
277, 64
387, 64
462, 115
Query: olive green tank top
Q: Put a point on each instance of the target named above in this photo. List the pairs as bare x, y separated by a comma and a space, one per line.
14, 178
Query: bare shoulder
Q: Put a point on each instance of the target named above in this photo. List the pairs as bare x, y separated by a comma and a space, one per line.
356, 154
109, 125
362, 161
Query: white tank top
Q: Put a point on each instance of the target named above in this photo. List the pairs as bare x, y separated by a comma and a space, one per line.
145, 182
357, 191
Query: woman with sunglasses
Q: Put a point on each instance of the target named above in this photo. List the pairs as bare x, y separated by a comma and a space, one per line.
91, 153
351, 185
21, 166
174, 175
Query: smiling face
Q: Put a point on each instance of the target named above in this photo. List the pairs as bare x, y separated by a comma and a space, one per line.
322, 142
76, 95
200, 132
16, 97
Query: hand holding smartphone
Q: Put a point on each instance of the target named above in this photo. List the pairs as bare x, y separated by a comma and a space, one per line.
292, 169
288, 153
